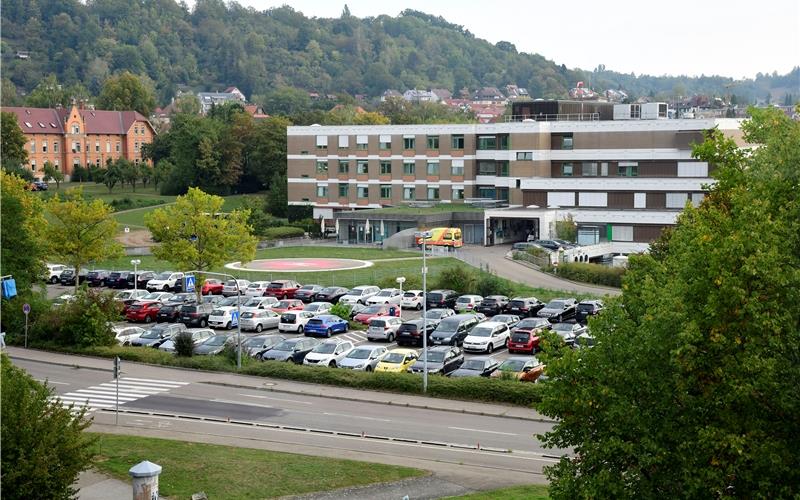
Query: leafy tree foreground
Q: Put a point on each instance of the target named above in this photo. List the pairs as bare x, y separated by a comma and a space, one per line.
692, 388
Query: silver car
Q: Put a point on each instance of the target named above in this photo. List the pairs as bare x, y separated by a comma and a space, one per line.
260, 320
383, 328
364, 357
198, 337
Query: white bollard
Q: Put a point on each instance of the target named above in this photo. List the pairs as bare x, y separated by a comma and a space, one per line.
145, 480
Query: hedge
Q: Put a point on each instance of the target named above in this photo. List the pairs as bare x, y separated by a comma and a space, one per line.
592, 273
280, 232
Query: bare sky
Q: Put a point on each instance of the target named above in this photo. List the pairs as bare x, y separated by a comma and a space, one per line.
736, 38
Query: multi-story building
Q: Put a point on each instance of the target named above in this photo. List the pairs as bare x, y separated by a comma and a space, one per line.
622, 174
67, 137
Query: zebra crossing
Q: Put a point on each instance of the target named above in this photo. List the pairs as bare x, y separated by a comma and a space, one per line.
105, 395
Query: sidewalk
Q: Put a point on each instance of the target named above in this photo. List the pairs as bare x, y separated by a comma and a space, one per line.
93, 485
279, 385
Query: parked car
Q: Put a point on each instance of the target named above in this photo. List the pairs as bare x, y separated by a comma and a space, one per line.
256, 346
165, 281
212, 299
67, 276
141, 279
157, 334
308, 293
525, 336
569, 332
509, 319
54, 272
294, 321
521, 368
143, 311
183, 298
441, 360
412, 299
291, 350
128, 297
253, 304
97, 277
169, 313
326, 325
442, 299
588, 308
214, 345
410, 332
125, 334
525, 306
551, 245
454, 329
363, 357
198, 337
288, 305
158, 297
234, 287
369, 312
256, 288
585, 340
559, 310
117, 279
359, 294
436, 316
223, 317
330, 294
318, 308
486, 337
212, 286
195, 314
260, 320
384, 328
39, 185
466, 303
386, 296
355, 309
328, 353
282, 289
397, 360
565, 244
492, 305
479, 366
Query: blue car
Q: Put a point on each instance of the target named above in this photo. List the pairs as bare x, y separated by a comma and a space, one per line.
325, 325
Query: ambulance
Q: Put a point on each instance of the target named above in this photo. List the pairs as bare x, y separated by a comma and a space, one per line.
444, 237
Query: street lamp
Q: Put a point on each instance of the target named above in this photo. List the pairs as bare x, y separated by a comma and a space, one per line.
135, 263
424, 235
400, 280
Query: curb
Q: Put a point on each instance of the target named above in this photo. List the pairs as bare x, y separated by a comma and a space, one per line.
576, 283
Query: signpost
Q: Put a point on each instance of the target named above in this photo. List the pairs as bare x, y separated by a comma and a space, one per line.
26, 308
188, 285
117, 372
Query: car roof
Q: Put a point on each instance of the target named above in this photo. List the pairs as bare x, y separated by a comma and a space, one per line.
484, 358
325, 316
404, 351
361, 287
591, 302
519, 358
444, 348
492, 324
461, 317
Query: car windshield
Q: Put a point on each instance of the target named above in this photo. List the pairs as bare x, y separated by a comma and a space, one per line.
163, 276
288, 317
472, 364
285, 346
489, 302
314, 307
512, 365
151, 334
563, 327
328, 290
247, 315
464, 300
585, 307
394, 357
254, 285
216, 340
480, 331
151, 296
309, 287
359, 353
529, 323
385, 293
448, 325
372, 310
252, 303
230, 301
433, 357
124, 295
275, 285
254, 342
188, 309
355, 292
502, 318
326, 348
555, 304
409, 295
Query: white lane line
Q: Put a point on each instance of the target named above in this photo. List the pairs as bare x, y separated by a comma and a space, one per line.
243, 403
122, 394
100, 396
44, 380
357, 416
277, 399
153, 380
150, 384
130, 388
481, 430
86, 402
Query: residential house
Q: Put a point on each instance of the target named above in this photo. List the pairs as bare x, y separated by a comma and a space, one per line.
415, 95
211, 99
488, 95
390, 93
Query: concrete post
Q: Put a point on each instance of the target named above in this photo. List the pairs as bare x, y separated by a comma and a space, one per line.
145, 480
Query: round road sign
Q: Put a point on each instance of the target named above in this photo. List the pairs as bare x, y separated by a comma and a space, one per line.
26, 308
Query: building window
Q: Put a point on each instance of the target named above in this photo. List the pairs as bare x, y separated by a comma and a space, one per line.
621, 233
676, 200
386, 191
344, 166
362, 167
486, 192
457, 142
433, 168
502, 194
433, 193
408, 142
56, 163
487, 168
322, 142
76, 129
589, 169
75, 162
322, 191
363, 192
503, 168
628, 170
457, 168
409, 193
108, 146
502, 142
525, 156
458, 192
76, 147
344, 190
135, 147
33, 165
409, 168
322, 167
55, 147
566, 142
97, 147
33, 146
344, 141
362, 142
386, 168
385, 142
433, 142
566, 170
487, 142
118, 147
44, 147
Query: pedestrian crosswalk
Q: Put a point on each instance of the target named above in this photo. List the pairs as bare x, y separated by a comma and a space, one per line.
105, 395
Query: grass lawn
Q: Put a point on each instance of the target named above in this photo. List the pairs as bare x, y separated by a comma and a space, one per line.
531, 492
229, 472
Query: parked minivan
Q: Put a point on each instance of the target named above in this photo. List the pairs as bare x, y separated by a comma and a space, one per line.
441, 299
454, 329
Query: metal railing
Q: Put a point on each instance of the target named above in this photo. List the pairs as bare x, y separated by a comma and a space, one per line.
579, 117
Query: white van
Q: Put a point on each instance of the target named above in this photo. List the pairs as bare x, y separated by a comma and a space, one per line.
294, 321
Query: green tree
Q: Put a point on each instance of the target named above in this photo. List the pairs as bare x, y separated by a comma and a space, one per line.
161, 172
691, 388
130, 172
8, 94
194, 233
188, 103
567, 229
81, 232
51, 172
124, 92
114, 173
44, 444
48, 94
13, 153
278, 197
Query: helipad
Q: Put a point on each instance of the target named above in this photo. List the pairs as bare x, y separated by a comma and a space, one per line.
299, 265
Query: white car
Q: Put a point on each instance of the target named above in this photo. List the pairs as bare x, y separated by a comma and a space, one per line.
123, 295
413, 299
258, 304
165, 281
318, 308
383, 328
223, 317
254, 289
54, 272
329, 353
260, 320
156, 297
198, 337
229, 288
124, 334
487, 336
468, 302
386, 296
294, 321
363, 357
359, 295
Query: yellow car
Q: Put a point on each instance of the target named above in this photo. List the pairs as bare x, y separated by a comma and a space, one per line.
397, 360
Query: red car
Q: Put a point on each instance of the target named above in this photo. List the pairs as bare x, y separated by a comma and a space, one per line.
525, 335
288, 305
282, 289
212, 287
365, 315
143, 311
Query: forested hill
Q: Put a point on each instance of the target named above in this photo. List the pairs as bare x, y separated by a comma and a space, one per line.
215, 45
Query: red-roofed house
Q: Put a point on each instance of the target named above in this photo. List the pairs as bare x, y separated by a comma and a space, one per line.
69, 137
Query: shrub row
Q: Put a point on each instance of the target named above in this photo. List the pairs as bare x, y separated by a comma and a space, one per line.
592, 273
280, 232
128, 203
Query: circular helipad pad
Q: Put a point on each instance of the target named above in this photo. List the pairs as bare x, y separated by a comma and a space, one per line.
299, 265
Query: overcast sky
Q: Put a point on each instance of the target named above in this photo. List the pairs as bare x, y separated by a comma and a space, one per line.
736, 38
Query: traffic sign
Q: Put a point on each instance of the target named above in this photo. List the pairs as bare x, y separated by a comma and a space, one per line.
127, 229
188, 285
26, 308
234, 318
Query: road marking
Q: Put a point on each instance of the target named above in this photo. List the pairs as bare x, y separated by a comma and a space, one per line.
47, 381
105, 395
153, 381
150, 384
480, 430
277, 399
357, 416
243, 403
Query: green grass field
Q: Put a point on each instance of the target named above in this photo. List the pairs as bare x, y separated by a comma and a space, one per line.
530, 492
237, 473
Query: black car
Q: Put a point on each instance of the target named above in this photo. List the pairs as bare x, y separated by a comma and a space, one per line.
492, 305
97, 277
588, 308
525, 306
67, 276
549, 244
117, 279
142, 277
441, 299
441, 360
559, 310
292, 350
479, 366
183, 298
331, 294
195, 314
454, 329
169, 313
308, 293
410, 332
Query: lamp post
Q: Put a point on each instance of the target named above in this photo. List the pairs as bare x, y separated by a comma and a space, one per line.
400, 280
135, 263
424, 235
238, 312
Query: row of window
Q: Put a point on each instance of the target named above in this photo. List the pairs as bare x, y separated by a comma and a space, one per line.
137, 130
385, 142
595, 169
409, 167
76, 146
409, 192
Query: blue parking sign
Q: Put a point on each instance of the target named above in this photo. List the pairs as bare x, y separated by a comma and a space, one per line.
188, 285
234, 318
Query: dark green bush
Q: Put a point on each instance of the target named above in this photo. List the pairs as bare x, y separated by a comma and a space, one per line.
84, 322
489, 284
309, 225
592, 273
12, 320
184, 345
341, 310
128, 203
413, 282
276, 233
459, 279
